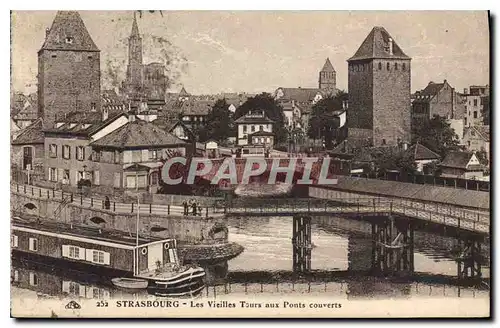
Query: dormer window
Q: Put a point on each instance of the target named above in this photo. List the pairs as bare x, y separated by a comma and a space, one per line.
69, 40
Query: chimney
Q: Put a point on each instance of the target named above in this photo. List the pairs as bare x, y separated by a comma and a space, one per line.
390, 47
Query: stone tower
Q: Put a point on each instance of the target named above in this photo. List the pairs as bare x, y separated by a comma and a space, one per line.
327, 77
379, 91
68, 69
135, 71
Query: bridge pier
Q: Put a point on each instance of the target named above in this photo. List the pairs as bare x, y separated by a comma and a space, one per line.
301, 241
392, 246
469, 259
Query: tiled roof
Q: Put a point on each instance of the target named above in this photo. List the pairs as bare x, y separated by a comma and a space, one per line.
420, 152
69, 24
183, 92
301, 95
328, 67
83, 123
138, 134
457, 159
376, 45
484, 131
195, 107
32, 134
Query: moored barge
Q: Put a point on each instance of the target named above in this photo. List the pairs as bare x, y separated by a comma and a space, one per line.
109, 253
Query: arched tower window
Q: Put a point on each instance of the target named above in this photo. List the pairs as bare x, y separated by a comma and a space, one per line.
388, 66
396, 66
379, 66
404, 66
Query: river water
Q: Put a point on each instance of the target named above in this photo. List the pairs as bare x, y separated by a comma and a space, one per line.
340, 247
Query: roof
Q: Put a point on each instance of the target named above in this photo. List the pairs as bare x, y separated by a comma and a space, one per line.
247, 120
32, 134
301, 95
457, 159
138, 134
420, 152
183, 92
328, 67
483, 131
83, 123
196, 107
68, 24
376, 45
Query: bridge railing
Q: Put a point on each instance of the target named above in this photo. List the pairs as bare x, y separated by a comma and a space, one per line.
99, 203
478, 222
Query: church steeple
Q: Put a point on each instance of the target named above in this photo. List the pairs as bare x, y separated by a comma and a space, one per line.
135, 29
135, 68
135, 45
327, 77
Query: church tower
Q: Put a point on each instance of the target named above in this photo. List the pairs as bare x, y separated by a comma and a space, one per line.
327, 77
379, 92
68, 69
135, 79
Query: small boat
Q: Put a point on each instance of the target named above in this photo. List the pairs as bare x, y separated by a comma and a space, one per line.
130, 283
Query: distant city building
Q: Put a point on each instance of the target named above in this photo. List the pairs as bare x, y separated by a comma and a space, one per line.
477, 105
69, 76
477, 138
255, 133
144, 82
436, 99
379, 91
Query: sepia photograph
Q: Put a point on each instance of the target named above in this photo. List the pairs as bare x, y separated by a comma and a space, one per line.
250, 164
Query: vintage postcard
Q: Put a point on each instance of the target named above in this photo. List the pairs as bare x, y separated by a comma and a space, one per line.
252, 164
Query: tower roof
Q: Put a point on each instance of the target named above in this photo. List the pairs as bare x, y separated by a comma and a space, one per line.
377, 45
68, 32
183, 92
328, 67
135, 28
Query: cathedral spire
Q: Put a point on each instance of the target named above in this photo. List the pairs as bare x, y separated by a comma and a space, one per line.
135, 28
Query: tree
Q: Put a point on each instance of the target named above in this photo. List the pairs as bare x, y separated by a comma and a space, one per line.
390, 158
271, 108
437, 135
322, 122
218, 124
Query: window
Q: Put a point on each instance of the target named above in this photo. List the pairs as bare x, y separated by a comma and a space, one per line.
475, 102
268, 140
379, 66
16, 275
475, 114
89, 57
33, 279
468, 143
92, 105
33, 244
80, 153
388, 66
396, 66
244, 129
97, 256
261, 128
14, 241
383, 142
66, 152
116, 156
154, 179
465, 121
262, 140
52, 174
69, 40
253, 128
153, 154
53, 56
96, 155
74, 252
404, 67
53, 150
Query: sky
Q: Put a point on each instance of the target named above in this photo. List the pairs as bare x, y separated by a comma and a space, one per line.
254, 51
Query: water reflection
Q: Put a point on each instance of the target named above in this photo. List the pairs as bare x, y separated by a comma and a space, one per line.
341, 261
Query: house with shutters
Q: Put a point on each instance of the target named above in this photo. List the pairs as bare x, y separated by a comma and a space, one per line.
28, 153
132, 156
255, 133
